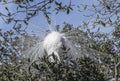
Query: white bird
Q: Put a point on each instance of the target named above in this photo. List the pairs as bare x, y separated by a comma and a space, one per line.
53, 43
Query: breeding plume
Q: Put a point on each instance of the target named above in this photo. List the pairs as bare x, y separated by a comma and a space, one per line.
53, 43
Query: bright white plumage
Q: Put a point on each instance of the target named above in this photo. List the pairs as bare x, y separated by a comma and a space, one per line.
52, 44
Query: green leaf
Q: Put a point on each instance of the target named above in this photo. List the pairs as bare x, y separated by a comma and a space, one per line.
25, 22
6, 8
85, 7
31, 0
68, 11
48, 18
59, 5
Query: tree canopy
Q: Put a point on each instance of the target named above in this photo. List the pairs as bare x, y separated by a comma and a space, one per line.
103, 46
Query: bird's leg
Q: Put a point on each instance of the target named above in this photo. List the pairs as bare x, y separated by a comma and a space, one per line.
57, 55
51, 59
54, 56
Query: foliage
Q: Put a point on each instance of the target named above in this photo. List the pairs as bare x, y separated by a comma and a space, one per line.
28, 9
82, 69
105, 47
104, 14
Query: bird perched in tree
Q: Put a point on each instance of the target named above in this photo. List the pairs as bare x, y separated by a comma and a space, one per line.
53, 43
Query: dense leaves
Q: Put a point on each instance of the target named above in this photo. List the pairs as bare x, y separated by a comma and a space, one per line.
103, 49
83, 69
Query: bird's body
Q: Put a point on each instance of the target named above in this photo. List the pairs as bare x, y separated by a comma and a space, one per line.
52, 44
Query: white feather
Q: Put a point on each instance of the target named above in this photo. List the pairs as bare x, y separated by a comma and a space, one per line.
51, 44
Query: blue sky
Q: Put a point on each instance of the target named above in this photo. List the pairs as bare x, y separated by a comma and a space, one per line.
39, 23
75, 17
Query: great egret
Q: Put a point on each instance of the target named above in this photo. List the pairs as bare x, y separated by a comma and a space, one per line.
53, 43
